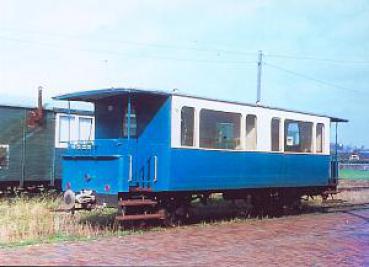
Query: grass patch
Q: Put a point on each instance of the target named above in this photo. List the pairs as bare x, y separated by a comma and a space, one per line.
25, 221
31, 220
353, 174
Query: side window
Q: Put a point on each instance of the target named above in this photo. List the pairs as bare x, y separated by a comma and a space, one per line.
66, 129
220, 129
251, 132
298, 136
4, 157
133, 123
187, 126
319, 137
275, 135
72, 128
85, 131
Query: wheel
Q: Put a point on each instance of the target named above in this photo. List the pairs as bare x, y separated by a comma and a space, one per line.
171, 219
176, 217
247, 208
69, 200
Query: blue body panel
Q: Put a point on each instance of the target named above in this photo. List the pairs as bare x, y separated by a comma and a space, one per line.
108, 160
155, 142
104, 168
109, 164
103, 174
196, 169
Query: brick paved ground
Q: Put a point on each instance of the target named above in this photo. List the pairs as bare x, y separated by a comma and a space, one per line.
334, 239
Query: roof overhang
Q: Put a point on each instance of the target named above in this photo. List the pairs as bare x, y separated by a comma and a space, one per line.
95, 95
334, 119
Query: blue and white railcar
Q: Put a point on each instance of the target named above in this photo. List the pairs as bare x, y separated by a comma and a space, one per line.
157, 150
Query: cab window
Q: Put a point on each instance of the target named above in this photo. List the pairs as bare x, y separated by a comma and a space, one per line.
133, 123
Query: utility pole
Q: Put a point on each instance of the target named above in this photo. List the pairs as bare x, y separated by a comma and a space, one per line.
258, 84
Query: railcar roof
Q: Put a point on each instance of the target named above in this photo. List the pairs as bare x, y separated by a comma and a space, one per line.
48, 109
96, 95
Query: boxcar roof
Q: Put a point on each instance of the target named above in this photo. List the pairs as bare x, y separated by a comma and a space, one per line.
95, 95
48, 109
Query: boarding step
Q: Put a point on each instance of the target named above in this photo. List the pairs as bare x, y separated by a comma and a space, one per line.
140, 189
137, 202
135, 217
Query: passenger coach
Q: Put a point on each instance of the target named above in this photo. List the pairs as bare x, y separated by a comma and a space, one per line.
156, 151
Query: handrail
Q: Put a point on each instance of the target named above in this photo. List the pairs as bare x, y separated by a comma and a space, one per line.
155, 169
130, 168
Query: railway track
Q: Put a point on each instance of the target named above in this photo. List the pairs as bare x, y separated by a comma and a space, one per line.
352, 195
343, 205
357, 188
345, 200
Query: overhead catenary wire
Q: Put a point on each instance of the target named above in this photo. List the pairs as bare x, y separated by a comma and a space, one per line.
318, 59
146, 44
243, 63
198, 49
311, 78
105, 51
218, 51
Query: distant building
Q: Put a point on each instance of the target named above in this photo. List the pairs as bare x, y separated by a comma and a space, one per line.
354, 157
364, 155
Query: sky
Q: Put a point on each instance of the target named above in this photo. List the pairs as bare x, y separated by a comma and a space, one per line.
315, 53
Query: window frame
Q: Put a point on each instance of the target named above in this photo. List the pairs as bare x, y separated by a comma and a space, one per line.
261, 121
75, 128
246, 148
322, 138
80, 118
7, 156
286, 134
280, 134
125, 122
238, 147
193, 126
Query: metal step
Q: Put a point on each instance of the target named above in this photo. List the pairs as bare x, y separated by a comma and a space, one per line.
140, 189
135, 217
137, 202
